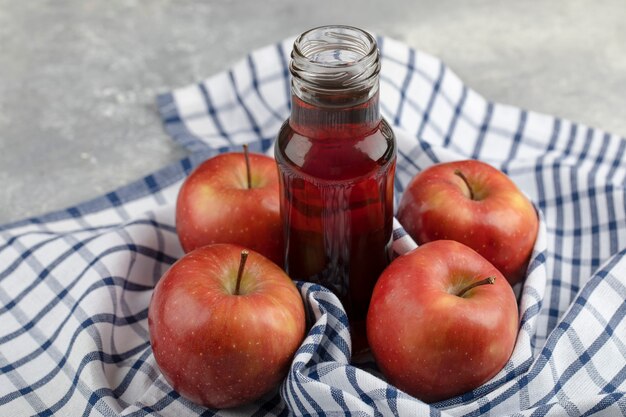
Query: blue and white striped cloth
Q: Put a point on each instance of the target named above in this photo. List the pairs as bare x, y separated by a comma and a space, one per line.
75, 284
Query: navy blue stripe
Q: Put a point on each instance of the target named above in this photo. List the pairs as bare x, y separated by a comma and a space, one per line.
578, 195
593, 203
543, 410
532, 310
398, 189
555, 293
538, 261
611, 386
384, 80
140, 364
289, 392
74, 212
22, 257
392, 396
613, 209
249, 115
612, 400
482, 131
481, 391
83, 229
428, 150
590, 351
410, 65
430, 80
302, 390
399, 234
169, 396
94, 399
166, 177
556, 129
42, 348
255, 85
114, 199
213, 113
351, 375
322, 355
455, 117
167, 108
289, 387
431, 100
41, 275
577, 272
337, 395
273, 406
144, 250
152, 184
90, 357
408, 160
517, 139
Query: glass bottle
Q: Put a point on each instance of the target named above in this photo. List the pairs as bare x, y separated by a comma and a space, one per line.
336, 158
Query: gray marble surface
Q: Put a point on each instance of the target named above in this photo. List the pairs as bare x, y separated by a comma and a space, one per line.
78, 78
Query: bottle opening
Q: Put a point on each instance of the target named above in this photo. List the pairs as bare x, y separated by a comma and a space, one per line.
335, 45
335, 59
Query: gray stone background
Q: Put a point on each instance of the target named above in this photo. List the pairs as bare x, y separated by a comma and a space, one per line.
78, 78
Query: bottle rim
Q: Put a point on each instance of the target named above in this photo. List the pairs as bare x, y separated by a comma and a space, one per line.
334, 58
334, 37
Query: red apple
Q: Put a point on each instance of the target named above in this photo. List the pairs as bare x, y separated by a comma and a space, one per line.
475, 204
432, 334
220, 203
224, 330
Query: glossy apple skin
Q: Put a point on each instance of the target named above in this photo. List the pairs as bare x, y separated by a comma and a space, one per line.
500, 223
215, 205
216, 348
430, 342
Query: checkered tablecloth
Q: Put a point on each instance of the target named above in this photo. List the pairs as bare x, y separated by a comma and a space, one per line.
75, 285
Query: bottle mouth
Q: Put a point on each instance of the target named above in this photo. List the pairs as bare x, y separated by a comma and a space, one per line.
335, 59
335, 46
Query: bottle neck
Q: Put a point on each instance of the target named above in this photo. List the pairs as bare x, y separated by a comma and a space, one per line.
334, 82
338, 116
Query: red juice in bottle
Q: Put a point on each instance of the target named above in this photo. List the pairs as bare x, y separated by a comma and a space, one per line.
336, 159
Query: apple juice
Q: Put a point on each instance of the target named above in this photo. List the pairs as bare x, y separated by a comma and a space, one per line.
336, 158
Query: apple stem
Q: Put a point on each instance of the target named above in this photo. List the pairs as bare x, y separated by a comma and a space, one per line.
242, 263
488, 280
458, 173
245, 155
